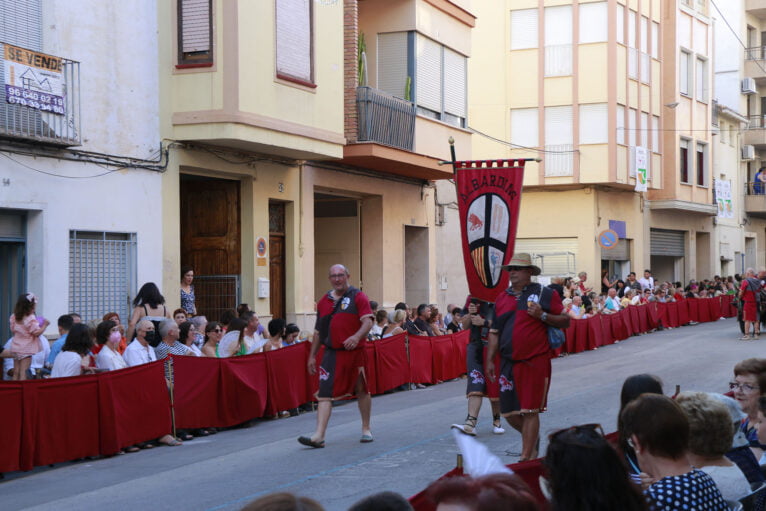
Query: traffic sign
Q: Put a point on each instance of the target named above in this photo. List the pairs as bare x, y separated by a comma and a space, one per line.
608, 239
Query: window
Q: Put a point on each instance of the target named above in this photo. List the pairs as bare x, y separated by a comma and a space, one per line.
558, 141
645, 49
593, 22
195, 33
295, 41
724, 132
620, 24
102, 273
632, 131
683, 165
701, 164
440, 84
558, 41
524, 29
701, 81
632, 50
392, 65
454, 87
594, 127
684, 68
524, 127
620, 124
429, 75
655, 40
656, 133
644, 130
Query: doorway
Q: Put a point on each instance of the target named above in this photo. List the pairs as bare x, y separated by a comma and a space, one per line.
13, 265
337, 239
277, 258
416, 265
211, 241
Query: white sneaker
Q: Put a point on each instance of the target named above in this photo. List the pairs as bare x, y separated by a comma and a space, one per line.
497, 430
465, 429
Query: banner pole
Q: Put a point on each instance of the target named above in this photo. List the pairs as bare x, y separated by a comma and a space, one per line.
171, 383
452, 154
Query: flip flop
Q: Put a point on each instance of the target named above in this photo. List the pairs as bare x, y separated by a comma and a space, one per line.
366, 439
132, 448
172, 443
307, 441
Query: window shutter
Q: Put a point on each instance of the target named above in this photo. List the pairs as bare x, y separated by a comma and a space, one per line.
593, 22
655, 40
632, 135
195, 26
655, 134
558, 41
594, 128
524, 29
392, 63
683, 73
558, 140
21, 23
294, 38
631, 29
429, 74
454, 83
620, 24
701, 79
644, 129
620, 124
524, 127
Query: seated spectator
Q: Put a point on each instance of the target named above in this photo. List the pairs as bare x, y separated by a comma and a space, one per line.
396, 326
170, 344
632, 387
241, 309
108, 336
73, 361
747, 386
585, 472
283, 502
253, 334
658, 431
199, 322
448, 317
291, 334
213, 334
420, 325
65, 323
381, 320
383, 501
276, 334
140, 350
455, 325
496, 492
113, 316
557, 284
710, 435
611, 302
435, 321
629, 299
179, 316
150, 304
187, 333
229, 314
233, 343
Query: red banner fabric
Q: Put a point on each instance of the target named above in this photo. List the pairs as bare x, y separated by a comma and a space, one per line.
393, 367
460, 343
442, 356
488, 196
12, 405
371, 368
287, 378
420, 359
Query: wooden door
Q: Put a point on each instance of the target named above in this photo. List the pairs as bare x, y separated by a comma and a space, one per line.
210, 241
277, 259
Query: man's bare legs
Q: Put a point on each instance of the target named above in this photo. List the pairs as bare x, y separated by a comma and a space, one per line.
324, 410
528, 425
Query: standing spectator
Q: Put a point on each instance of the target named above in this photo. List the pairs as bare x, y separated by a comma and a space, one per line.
583, 276
213, 334
186, 335
188, 298
524, 338
759, 181
276, 334
374, 306
448, 317
150, 304
606, 284
632, 283
747, 293
140, 351
421, 326
108, 337
647, 282
658, 431
65, 323
26, 332
179, 316
556, 285
72, 359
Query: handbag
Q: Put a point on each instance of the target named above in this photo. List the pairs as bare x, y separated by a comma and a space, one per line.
556, 337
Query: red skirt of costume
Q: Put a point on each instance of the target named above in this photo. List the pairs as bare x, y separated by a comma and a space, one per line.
524, 385
749, 311
339, 372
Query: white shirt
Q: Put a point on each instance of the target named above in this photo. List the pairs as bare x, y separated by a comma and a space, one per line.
136, 354
39, 358
67, 363
646, 283
195, 350
7, 362
730, 480
109, 359
254, 342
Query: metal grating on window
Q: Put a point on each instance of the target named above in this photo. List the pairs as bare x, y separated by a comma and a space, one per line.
102, 273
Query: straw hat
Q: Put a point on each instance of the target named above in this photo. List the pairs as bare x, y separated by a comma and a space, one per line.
524, 260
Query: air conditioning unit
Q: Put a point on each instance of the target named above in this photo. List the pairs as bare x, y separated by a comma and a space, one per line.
748, 152
748, 86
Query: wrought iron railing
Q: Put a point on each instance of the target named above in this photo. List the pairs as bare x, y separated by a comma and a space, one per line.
32, 114
216, 294
756, 122
755, 53
755, 188
385, 119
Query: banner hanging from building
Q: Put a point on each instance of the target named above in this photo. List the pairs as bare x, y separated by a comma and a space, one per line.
489, 194
723, 198
33, 79
642, 168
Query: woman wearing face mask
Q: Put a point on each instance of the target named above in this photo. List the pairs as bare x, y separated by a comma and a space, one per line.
108, 337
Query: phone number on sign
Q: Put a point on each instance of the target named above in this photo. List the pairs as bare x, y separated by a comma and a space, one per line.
36, 100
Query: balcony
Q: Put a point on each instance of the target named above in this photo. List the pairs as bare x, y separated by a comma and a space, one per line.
756, 8
386, 138
755, 199
755, 63
755, 134
44, 105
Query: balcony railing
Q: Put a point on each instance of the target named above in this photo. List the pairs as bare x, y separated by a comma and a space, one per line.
385, 119
756, 122
755, 53
32, 114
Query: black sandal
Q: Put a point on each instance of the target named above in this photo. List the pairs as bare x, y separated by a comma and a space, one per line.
468, 427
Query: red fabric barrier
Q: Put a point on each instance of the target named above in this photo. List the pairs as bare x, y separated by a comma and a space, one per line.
728, 309
134, 406
61, 420
683, 312
643, 318
714, 308
703, 309
244, 389
421, 370
11, 403
460, 344
621, 325
420, 502
693, 309
287, 378
583, 335
653, 315
607, 337
595, 333
443, 355
671, 315
635, 321
392, 367
661, 312
370, 368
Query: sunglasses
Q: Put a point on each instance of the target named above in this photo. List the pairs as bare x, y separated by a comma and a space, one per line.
517, 268
216, 330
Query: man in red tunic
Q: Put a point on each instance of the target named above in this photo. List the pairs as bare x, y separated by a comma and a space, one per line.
748, 293
344, 317
523, 314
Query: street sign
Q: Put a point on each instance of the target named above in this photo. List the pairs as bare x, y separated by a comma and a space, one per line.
608, 239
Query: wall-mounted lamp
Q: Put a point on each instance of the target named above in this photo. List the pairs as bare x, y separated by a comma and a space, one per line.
672, 105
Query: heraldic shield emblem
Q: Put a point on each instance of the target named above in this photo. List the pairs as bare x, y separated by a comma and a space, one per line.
489, 194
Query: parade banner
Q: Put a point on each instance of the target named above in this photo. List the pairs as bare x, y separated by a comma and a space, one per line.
723, 198
642, 168
488, 196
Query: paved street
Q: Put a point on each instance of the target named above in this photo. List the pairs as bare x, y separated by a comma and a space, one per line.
412, 444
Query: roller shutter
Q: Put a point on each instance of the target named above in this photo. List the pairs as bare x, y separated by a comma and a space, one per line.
554, 256
664, 242
621, 252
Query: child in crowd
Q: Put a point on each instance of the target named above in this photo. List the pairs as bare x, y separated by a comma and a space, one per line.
26, 332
